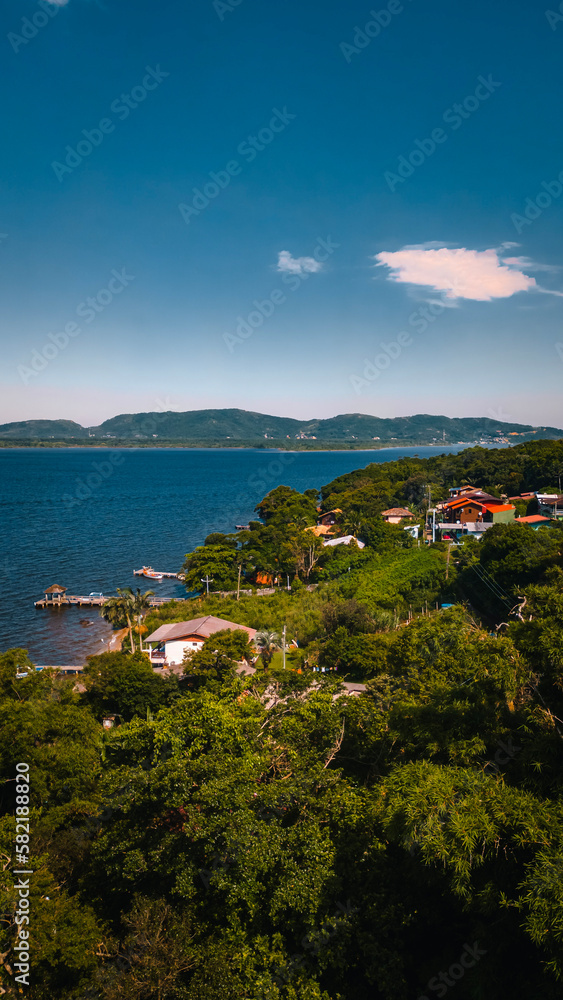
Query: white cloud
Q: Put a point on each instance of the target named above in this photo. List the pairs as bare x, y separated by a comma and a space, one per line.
297, 265
481, 275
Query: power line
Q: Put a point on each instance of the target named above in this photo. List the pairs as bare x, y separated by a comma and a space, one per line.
493, 586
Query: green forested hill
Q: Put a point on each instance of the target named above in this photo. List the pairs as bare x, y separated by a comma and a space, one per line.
245, 426
42, 429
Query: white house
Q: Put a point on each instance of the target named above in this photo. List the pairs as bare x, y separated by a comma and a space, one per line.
167, 646
397, 514
550, 504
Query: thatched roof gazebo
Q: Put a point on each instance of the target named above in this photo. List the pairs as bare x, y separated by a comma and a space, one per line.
55, 594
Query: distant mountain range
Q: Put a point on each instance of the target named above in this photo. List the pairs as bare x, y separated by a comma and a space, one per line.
233, 427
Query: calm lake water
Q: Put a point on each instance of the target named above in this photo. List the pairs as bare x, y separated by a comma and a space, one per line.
86, 518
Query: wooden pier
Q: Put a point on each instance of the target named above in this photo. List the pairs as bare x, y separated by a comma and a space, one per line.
97, 602
75, 599
57, 597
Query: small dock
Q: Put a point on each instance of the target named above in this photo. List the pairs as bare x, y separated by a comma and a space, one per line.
97, 602
75, 599
57, 597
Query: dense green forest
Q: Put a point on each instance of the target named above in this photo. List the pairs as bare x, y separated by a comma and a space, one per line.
274, 837
534, 465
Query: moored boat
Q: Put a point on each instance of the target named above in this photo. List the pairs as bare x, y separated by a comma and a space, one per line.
150, 573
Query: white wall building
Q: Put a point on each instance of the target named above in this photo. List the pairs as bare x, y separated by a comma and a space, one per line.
168, 645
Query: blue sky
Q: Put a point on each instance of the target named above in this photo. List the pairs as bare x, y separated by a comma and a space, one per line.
363, 198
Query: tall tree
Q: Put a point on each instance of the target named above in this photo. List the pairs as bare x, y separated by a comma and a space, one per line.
125, 608
216, 561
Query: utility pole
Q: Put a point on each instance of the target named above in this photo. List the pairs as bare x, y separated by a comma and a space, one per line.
238, 585
283, 645
448, 560
428, 510
207, 581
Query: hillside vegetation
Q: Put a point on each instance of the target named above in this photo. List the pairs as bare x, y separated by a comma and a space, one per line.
248, 428
271, 836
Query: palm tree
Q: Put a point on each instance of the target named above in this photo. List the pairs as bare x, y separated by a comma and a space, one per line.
352, 525
125, 607
139, 602
136, 604
112, 611
267, 643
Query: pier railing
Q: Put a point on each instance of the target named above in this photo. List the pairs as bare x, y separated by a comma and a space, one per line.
97, 602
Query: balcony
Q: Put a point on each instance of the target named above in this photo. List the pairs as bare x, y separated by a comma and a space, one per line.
463, 527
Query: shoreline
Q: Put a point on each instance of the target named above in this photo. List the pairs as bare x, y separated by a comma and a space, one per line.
327, 446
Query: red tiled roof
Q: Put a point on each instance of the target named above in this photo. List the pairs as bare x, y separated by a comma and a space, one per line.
532, 519
201, 627
494, 508
465, 502
476, 496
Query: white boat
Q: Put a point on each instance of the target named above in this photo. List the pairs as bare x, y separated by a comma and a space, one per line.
150, 573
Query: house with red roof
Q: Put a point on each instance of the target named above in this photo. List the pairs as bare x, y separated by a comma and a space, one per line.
472, 514
458, 494
169, 644
534, 520
491, 511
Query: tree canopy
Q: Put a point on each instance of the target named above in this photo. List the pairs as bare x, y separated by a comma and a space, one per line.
287, 834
